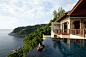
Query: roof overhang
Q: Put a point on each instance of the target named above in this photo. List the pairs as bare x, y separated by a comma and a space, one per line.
75, 9
79, 2
55, 22
64, 15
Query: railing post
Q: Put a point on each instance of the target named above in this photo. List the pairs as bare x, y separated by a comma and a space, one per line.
61, 31
53, 31
84, 32
75, 31
80, 31
56, 31
69, 31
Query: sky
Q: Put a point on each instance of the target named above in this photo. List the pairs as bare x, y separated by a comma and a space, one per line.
17, 13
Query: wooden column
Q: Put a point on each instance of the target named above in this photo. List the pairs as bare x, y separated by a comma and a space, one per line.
80, 24
80, 27
75, 31
84, 33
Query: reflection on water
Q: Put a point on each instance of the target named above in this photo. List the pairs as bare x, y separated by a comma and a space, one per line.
50, 50
71, 47
54, 45
61, 48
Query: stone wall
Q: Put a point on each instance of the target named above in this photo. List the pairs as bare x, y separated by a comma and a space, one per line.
66, 19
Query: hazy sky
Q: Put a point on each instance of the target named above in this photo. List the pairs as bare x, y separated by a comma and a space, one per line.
14, 13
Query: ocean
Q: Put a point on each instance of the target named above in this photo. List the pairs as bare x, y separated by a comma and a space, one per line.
9, 43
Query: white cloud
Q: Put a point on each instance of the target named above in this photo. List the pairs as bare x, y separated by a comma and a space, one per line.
14, 13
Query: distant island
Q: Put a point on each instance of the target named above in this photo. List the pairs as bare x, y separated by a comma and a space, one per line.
22, 31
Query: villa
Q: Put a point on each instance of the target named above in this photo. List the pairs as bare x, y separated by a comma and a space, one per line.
71, 24
71, 38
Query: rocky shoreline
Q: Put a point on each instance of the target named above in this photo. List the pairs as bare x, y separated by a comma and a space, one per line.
17, 49
13, 34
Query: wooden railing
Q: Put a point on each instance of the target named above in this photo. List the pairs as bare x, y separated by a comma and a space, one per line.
80, 32
57, 31
61, 31
66, 31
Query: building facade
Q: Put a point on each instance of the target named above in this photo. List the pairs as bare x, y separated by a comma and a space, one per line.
71, 24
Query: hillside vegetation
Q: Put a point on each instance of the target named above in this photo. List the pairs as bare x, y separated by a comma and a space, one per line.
31, 41
27, 29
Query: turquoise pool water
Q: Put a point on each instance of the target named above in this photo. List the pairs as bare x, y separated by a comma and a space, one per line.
61, 48
72, 47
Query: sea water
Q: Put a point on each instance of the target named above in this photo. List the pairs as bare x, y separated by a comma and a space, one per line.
9, 43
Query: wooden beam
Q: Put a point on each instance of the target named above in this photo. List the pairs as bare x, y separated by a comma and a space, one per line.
65, 14
75, 7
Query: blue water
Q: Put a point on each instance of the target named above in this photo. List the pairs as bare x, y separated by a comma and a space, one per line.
72, 47
61, 48
50, 50
8, 43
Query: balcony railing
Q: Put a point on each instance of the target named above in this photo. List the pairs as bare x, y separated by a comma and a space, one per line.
57, 31
80, 32
61, 31
65, 31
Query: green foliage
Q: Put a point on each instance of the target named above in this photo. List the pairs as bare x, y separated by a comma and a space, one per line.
60, 12
33, 39
55, 36
30, 44
55, 13
27, 30
19, 53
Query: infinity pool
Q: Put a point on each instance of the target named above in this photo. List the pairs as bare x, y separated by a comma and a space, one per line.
61, 48
72, 47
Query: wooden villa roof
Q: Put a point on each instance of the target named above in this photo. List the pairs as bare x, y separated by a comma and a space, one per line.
75, 7
64, 15
78, 10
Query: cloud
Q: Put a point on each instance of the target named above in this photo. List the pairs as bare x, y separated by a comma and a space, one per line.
16, 13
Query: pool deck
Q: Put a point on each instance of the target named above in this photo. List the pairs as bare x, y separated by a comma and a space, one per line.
72, 37
46, 36
48, 51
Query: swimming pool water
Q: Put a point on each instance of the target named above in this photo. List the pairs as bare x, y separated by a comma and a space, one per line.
61, 48
72, 47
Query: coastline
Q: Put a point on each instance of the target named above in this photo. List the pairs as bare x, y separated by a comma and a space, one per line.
13, 34
16, 50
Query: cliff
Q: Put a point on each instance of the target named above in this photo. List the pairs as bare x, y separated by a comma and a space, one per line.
14, 34
22, 31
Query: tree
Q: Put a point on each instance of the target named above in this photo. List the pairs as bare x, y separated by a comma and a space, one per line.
60, 12
55, 13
